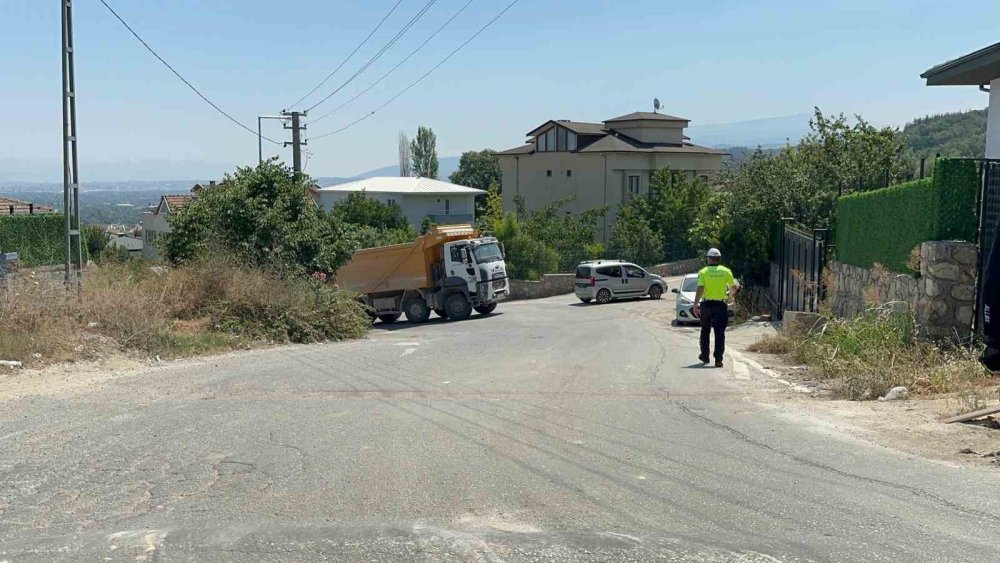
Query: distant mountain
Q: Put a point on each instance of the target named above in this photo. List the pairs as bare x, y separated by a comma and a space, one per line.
766, 132
446, 166
961, 134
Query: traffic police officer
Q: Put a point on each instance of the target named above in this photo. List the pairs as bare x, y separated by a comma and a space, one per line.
715, 285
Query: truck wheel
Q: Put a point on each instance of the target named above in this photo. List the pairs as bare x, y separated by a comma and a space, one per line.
441, 313
389, 318
604, 296
416, 310
486, 309
457, 307
655, 292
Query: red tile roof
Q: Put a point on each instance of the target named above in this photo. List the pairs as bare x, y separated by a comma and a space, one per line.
176, 203
11, 206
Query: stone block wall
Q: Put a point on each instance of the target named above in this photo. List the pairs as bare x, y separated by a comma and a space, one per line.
678, 268
942, 298
550, 285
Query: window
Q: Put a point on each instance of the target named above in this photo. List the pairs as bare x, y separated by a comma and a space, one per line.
633, 185
390, 201
550, 140
570, 141
583, 272
548, 173
569, 173
456, 254
447, 207
610, 271
634, 272
560, 139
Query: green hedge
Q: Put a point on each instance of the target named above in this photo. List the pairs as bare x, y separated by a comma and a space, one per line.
884, 225
957, 184
38, 239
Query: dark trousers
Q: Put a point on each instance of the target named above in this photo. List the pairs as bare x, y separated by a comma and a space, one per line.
714, 317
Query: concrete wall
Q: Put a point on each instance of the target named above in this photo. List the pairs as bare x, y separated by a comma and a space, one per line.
549, 286
942, 298
679, 268
993, 121
154, 225
595, 180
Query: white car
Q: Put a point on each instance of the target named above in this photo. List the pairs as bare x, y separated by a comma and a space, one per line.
684, 304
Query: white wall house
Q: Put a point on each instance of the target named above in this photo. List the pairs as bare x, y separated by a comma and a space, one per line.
982, 69
155, 225
445, 203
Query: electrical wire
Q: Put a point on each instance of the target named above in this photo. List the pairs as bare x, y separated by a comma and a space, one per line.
377, 55
356, 49
393, 69
422, 77
178, 75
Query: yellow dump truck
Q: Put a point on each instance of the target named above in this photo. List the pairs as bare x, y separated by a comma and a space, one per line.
451, 270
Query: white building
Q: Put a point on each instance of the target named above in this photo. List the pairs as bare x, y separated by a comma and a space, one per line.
445, 203
982, 69
155, 222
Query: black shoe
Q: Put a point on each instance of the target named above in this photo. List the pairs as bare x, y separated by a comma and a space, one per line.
718, 363
704, 359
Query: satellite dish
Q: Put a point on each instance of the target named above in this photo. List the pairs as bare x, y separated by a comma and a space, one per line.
656, 105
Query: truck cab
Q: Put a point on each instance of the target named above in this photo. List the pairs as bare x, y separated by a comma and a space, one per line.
478, 265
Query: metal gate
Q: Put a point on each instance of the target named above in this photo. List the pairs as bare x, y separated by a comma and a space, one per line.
989, 224
802, 255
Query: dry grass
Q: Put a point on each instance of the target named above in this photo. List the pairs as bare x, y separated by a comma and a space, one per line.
866, 356
169, 313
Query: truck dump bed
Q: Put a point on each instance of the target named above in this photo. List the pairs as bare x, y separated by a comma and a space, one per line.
400, 267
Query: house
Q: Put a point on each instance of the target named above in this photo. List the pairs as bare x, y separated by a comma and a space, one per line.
155, 222
444, 202
600, 164
982, 69
133, 245
11, 206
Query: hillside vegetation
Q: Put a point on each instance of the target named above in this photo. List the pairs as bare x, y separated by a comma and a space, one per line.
961, 134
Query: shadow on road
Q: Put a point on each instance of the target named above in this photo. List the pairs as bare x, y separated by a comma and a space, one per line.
699, 365
613, 302
403, 324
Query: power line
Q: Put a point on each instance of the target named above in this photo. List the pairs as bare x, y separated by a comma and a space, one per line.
422, 77
379, 54
393, 69
356, 49
178, 75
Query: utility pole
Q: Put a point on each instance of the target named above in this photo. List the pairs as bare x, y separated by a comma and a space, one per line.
297, 142
71, 176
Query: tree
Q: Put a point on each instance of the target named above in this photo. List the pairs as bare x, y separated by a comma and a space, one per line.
359, 209
405, 157
260, 217
633, 239
671, 211
492, 216
477, 169
424, 151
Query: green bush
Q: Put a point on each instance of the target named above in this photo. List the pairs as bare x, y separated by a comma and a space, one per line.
957, 184
38, 239
884, 225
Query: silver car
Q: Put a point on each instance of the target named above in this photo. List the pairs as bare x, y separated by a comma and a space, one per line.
605, 280
684, 305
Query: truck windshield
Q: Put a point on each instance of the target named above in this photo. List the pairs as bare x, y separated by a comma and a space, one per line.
489, 252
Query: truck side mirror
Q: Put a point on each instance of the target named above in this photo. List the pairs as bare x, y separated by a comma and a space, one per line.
503, 251
466, 256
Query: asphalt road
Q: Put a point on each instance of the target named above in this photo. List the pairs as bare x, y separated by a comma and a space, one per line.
548, 431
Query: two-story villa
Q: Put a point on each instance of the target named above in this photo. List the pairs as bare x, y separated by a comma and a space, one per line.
601, 164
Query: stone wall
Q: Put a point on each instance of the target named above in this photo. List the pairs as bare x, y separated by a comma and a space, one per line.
941, 298
549, 286
678, 268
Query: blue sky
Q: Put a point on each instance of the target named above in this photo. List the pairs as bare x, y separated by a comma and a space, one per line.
712, 62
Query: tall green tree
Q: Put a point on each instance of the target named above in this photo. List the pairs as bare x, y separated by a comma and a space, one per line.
423, 150
261, 217
359, 209
477, 169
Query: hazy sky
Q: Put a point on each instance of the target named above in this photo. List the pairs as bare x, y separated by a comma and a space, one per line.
712, 62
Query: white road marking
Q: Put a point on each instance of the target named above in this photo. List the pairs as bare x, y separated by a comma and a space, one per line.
407, 344
408, 351
769, 372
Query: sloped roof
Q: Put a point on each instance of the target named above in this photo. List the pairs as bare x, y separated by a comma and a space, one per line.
621, 143
21, 207
523, 149
175, 203
974, 69
640, 115
400, 185
578, 127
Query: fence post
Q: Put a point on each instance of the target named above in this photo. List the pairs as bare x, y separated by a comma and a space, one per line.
923, 161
